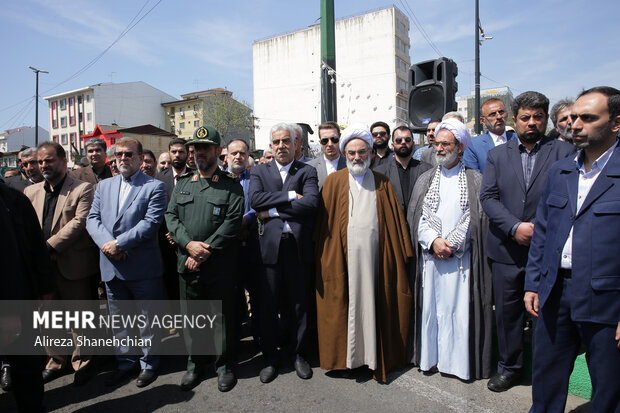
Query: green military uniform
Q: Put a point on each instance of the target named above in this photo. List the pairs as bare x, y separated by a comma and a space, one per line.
209, 210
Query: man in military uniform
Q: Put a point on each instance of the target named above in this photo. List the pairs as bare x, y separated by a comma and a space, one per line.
204, 217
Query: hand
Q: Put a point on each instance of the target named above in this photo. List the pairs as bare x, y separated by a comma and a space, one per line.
442, 248
170, 240
618, 334
198, 250
524, 232
120, 256
299, 196
109, 248
191, 264
531, 304
262, 215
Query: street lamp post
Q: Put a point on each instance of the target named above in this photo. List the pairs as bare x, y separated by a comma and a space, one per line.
36, 105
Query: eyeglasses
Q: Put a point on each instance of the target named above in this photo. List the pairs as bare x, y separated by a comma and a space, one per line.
127, 154
382, 134
362, 153
222, 157
443, 144
499, 113
334, 139
400, 140
285, 141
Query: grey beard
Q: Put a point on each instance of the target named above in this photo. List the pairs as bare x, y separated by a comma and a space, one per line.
357, 169
236, 169
448, 159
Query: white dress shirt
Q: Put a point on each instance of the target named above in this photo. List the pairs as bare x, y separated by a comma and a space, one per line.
498, 139
124, 191
292, 195
331, 166
586, 180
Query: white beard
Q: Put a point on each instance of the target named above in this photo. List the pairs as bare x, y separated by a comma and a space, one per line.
447, 159
358, 169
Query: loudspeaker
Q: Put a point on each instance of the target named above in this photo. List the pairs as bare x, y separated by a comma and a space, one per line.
432, 89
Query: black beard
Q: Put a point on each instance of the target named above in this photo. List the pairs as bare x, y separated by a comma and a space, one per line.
178, 164
404, 151
524, 137
382, 145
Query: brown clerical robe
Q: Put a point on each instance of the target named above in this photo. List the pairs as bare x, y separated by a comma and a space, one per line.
393, 298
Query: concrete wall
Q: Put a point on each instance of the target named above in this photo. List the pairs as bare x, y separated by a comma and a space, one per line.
287, 73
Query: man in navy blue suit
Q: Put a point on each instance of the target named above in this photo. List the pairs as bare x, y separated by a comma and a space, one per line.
284, 194
511, 186
123, 221
493, 116
576, 297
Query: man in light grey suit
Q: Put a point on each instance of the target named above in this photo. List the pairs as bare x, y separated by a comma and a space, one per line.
123, 221
331, 160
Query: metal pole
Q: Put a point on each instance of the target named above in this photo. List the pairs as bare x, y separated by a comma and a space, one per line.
328, 62
36, 105
478, 127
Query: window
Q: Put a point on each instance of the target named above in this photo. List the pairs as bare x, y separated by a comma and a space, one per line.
172, 129
63, 122
63, 104
87, 98
79, 99
402, 27
55, 138
89, 116
402, 86
196, 108
196, 123
63, 139
73, 140
182, 125
72, 111
55, 114
400, 45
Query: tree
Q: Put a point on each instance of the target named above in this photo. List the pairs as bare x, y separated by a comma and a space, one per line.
232, 119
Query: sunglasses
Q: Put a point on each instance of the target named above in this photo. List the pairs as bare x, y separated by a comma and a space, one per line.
222, 157
334, 139
127, 154
400, 140
382, 134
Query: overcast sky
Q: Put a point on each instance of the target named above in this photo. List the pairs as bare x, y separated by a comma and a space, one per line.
556, 47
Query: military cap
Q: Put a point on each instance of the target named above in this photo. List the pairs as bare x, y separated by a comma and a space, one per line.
206, 135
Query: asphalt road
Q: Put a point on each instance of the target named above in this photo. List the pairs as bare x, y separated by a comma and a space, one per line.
407, 391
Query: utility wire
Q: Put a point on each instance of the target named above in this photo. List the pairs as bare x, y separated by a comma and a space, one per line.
418, 24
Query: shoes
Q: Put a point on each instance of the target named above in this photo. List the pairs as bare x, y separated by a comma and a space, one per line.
302, 368
5, 378
226, 380
118, 377
82, 376
49, 375
500, 383
146, 377
191, 380
268, 374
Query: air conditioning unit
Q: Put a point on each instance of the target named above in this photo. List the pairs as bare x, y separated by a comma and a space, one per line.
182, 114
168, 113
178, 129
172, 123
195, 113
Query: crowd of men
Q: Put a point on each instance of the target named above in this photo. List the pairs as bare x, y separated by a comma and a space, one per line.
374, 255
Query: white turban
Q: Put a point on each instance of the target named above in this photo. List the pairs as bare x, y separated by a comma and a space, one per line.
357, 130
458, 129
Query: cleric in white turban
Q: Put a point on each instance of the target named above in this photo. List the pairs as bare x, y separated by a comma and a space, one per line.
452, 284
363, 247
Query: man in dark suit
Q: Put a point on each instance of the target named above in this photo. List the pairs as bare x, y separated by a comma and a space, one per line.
511, 186
331, 160
380, 137
493, 116
402, 170
98, 169
30, 173
123, 221
284, 194
178, 157
576, 297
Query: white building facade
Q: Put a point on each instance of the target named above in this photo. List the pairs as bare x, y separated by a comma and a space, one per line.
372, 65
77, 112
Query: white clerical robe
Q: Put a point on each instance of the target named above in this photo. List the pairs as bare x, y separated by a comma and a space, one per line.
362, 243
445, 289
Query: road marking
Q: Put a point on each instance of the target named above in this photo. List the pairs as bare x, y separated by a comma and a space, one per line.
436, 394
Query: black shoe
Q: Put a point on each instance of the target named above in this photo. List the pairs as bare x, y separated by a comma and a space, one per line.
268, 374
500, 383
226, 380
303, 369
49, 375
82, 376
190, 380
5, 378
118, 377
146, 377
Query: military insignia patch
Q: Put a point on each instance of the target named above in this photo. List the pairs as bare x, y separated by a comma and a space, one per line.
202, 132
195, 178
216, 211
215, 178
